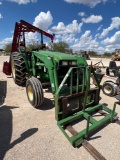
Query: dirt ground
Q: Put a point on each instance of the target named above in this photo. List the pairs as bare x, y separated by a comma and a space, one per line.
29, 133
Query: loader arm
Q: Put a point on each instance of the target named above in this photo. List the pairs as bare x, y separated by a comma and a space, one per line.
21, 28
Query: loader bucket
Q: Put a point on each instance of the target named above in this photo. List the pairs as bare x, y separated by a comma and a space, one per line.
7, 68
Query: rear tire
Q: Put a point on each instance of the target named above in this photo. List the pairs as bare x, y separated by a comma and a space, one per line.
18, 68
109, 89
34, 92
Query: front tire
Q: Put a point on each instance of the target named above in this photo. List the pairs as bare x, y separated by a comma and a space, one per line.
34, 92
18, 68
109, 89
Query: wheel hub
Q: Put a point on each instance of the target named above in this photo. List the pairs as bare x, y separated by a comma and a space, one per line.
30, 93
107, 89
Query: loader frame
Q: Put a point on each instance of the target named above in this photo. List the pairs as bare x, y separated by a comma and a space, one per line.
86, 108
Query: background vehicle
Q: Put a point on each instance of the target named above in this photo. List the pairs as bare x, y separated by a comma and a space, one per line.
116, 56
111, 88
85, 55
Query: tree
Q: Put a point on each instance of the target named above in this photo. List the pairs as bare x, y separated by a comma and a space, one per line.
8, 47
62, 47
106, 54
30, 47
92, 53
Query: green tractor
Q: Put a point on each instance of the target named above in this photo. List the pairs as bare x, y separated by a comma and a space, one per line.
69, 77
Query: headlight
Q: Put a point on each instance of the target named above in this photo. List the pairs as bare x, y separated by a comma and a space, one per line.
74, 62
64, 63
70, 63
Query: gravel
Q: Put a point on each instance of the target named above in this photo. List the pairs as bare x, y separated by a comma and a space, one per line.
29, 133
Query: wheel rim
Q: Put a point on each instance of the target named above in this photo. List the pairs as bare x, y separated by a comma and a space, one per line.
13, 68
107, 89
30, 92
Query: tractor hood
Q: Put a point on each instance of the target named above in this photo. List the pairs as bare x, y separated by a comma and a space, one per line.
58, 56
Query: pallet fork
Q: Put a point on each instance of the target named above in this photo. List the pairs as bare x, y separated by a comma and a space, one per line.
87, 99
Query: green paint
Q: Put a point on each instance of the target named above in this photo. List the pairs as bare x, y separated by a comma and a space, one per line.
72, 83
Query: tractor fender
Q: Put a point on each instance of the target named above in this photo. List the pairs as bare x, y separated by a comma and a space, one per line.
109, 81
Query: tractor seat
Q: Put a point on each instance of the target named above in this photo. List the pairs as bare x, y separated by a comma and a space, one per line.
113, 67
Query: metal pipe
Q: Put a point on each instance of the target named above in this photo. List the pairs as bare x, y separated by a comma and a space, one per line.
77, 85
87, 127
71, 81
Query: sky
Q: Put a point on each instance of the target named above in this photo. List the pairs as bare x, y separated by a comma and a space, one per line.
91, 25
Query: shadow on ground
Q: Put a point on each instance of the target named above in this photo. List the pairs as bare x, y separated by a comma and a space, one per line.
6, 130
48, 104
3, 91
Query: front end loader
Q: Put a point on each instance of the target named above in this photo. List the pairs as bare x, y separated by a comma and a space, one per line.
69, 76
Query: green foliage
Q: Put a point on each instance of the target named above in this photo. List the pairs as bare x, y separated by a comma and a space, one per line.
8, 47
31, 47
107, 54
62, 47
93, 53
